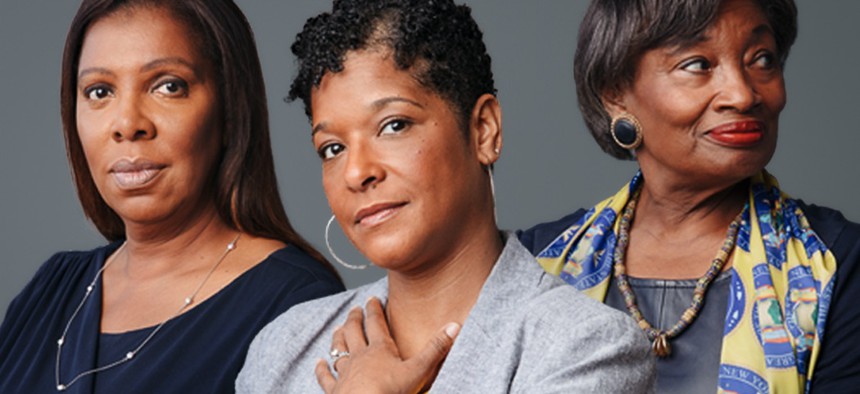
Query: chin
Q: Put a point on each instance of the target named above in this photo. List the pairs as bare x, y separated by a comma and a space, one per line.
142, 210
737, 165
750, 165
387, 251
383, 253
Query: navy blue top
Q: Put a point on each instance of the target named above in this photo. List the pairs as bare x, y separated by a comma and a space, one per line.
838, 367
199, 351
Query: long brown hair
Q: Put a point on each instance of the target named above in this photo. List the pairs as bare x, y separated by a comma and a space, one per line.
247, 196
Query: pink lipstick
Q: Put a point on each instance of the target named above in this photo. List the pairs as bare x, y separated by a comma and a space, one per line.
377, 213
132, 174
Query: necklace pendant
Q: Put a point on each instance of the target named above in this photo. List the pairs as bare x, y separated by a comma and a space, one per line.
61, 387
660, 346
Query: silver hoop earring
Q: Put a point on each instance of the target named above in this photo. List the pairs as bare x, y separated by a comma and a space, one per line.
331, 251
493, 194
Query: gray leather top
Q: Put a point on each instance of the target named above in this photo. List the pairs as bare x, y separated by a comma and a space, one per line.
694, 363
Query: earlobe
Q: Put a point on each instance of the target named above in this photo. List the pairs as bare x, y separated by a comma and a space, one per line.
485, 127
624, 128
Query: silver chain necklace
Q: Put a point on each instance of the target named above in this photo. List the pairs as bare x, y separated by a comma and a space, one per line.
128, 356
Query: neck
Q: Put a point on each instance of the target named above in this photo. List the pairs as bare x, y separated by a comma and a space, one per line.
420, 303
152, 250
668, 207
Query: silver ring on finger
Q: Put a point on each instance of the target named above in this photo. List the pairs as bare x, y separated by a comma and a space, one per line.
337, 354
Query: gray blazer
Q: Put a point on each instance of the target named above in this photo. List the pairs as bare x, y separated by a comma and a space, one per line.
528, 332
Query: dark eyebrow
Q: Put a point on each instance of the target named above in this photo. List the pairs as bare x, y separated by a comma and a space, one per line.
761, 30
320, 127
146, 67
171, 61
681, 44
376, 105
94, 70
379, 104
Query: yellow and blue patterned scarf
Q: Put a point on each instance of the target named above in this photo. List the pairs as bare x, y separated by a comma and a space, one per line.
782, 280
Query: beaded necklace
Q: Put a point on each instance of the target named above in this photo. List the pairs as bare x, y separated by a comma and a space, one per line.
128, 356
660, 338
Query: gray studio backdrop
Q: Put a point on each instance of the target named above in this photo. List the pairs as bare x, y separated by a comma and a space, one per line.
549, 166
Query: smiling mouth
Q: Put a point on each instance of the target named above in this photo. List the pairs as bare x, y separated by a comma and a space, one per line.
378, 213
134, 174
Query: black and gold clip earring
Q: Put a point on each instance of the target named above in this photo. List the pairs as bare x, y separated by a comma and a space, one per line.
626, 131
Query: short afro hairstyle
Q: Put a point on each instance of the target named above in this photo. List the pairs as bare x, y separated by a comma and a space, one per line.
437, 40
614, 35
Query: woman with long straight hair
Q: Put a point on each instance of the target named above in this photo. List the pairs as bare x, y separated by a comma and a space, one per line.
166, 127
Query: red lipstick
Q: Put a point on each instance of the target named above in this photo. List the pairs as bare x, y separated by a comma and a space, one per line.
738, 134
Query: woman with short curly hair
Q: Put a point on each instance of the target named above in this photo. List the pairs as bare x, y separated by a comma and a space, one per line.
405, 120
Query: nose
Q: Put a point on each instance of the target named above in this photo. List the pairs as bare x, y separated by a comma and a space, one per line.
131, 122
737, 91
363, 168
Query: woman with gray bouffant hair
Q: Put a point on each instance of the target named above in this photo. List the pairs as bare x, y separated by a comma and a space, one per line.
734, 282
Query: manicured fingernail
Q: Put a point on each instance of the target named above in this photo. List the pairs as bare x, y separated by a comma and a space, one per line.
451, 329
